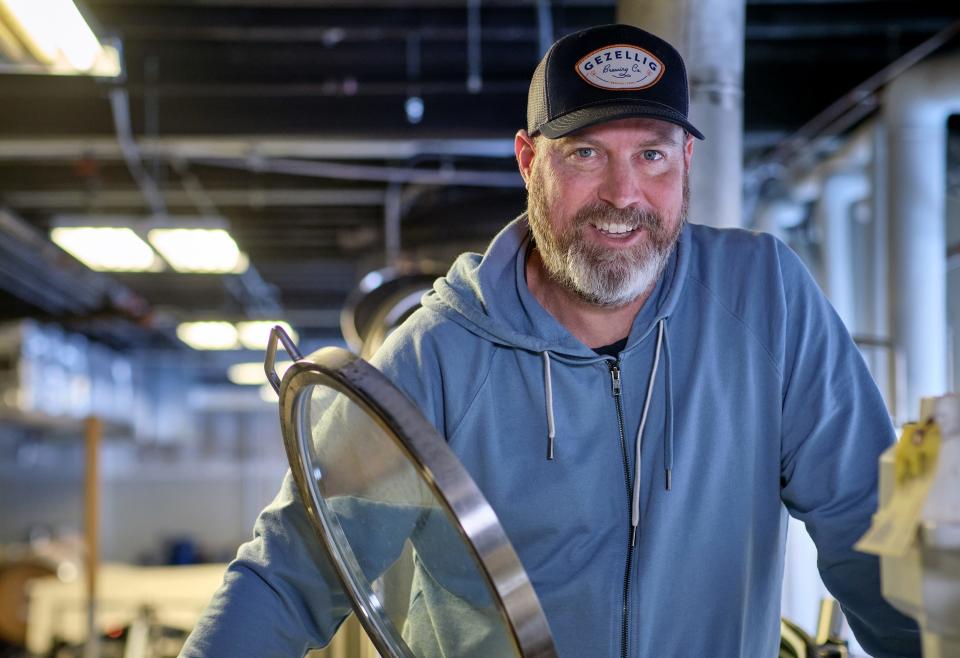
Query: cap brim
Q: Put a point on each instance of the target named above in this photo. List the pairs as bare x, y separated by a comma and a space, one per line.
590, 116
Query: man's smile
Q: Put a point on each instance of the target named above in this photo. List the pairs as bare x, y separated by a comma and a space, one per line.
613, 228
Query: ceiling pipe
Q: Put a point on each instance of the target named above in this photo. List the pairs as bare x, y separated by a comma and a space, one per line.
229, 198
194, 189
44, 149
916, 108
337, 35
248, 288
474, 55
710, 36
42, 275
834, 216
779, 214
392, 215
860, 101
120, 105
312, 168
803, 184
545, 36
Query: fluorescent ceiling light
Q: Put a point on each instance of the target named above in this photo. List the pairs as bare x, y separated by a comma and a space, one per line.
252, 374
56, 35
107, 249
208, 335
255, 335
209, 251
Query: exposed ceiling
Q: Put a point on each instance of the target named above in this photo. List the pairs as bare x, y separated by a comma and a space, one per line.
288, 119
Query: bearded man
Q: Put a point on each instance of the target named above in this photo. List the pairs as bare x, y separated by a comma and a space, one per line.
642, 401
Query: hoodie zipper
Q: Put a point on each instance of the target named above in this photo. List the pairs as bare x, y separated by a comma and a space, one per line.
624, 630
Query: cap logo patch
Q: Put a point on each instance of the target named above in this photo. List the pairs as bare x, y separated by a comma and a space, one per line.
620, 67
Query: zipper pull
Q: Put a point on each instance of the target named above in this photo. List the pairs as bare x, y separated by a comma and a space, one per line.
615, 380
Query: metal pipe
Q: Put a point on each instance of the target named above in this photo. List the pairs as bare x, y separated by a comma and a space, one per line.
312, 168
833, 212
861, 100
545, 36
710, 36
34, 269
474, 56
253, 198
392, 211
916, 108
877, 303
43, 149
194, 189
120, 105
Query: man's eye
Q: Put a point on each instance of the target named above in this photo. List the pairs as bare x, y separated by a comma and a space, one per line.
652, 155
585, 152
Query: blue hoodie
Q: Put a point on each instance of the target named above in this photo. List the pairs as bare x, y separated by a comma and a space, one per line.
658, 526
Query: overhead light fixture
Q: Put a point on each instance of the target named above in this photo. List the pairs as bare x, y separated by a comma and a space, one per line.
208, 335
107, 249
189, 244
414, 109
59, 39
252, 374
199, 250
255, 335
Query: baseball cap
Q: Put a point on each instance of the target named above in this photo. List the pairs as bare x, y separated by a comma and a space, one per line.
604, 73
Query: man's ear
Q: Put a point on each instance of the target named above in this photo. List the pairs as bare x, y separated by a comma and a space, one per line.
688, 152
524, 149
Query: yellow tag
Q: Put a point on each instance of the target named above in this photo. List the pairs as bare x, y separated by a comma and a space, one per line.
917, 450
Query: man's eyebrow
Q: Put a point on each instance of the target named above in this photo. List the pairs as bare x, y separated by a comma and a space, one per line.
567, 139
662, 138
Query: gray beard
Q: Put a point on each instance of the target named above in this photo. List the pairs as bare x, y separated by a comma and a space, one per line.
607, 282
600, 276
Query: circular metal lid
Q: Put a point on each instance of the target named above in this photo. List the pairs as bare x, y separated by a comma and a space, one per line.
427, 565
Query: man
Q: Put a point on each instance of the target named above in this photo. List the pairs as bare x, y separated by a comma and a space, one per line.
639, 399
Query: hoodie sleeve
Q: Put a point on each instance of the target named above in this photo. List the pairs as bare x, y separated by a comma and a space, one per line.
835, 426
279, 597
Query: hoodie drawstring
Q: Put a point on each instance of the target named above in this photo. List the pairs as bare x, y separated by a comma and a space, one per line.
548, 386
635, 503
663, 347
668, 433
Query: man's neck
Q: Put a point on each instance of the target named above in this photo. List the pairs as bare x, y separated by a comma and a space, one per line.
593, 325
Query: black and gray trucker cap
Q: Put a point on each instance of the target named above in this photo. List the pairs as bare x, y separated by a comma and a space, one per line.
604, 73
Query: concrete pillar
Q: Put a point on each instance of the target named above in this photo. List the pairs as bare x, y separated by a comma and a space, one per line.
916, 108
710, 36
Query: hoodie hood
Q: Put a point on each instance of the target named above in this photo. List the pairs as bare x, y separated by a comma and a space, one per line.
488, 295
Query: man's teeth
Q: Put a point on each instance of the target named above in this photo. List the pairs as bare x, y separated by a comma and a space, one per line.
610, 227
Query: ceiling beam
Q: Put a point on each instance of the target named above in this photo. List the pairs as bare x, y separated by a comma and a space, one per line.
253, 198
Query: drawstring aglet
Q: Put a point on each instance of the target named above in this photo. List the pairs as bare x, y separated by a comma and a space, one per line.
550, 448
669, 479
633, 537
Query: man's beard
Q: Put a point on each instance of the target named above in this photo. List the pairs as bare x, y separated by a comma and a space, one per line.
600, 275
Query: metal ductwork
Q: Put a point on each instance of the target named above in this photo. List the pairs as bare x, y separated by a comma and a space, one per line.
834, 212
916, 108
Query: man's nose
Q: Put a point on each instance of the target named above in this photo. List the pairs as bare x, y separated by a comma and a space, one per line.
621, 186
